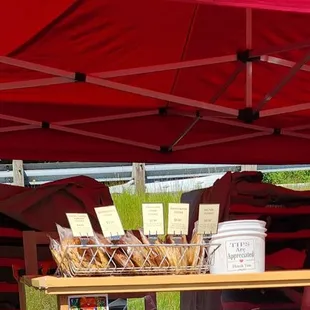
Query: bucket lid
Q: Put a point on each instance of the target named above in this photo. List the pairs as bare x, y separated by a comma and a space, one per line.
248, 228
241, 222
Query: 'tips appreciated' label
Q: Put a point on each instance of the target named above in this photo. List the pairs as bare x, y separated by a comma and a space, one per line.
178, 216
240, 255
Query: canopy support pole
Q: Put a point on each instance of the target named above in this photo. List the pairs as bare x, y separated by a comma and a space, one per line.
248, 82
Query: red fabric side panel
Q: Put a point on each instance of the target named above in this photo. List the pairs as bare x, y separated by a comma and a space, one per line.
51, 202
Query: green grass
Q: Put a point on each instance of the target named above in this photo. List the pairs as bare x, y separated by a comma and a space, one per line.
130, 206
130, 210
38, 300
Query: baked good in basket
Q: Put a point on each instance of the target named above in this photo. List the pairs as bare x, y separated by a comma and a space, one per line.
195, 253
117, 256
157, 253
139, 254
131, 254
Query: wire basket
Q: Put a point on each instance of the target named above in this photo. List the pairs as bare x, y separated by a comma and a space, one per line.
140, 259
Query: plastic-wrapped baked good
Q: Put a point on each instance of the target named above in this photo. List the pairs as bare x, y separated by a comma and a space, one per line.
195, 253
118, 256
158, 254
131, 254
138, 254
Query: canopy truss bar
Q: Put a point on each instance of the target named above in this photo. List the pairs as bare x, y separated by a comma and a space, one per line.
104, 137
278, 50
282, 83
289, 109
283, 62
221, 141
18, 128
123, 87
285, 132
237, 124
166, 67
184, 133
298, 128
106, 118
34, 83
20, 120
229, 122
36, 67
229, 81
249, 66
35, 124
161, 96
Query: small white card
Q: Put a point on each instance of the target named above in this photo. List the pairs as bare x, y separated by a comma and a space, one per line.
153, 219
109, 221
178, 217
208, 219
80, 224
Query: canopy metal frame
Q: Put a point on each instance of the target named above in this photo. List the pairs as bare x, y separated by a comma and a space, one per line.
59, 76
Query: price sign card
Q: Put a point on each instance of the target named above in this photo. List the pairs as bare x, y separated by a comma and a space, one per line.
178, 216
109, 221
153, 219
80, 224
208, 219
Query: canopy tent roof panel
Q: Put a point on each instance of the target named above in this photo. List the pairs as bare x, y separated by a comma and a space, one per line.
155, 81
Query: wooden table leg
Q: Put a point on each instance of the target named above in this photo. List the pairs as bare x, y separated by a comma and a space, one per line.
150, 302
22, 295
63, 302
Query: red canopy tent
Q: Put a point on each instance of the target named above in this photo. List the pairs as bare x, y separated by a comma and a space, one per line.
155, 81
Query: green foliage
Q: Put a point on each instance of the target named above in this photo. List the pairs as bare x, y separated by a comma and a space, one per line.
287, 177
129, 206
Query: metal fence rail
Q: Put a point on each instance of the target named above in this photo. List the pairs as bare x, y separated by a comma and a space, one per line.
39, 173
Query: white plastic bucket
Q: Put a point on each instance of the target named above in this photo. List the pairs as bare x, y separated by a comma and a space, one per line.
242, 247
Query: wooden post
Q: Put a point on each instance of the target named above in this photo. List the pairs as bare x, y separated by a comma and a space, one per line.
138, 175
248, 167
18, 173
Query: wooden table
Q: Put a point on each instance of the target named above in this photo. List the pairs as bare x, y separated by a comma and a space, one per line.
64, 287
